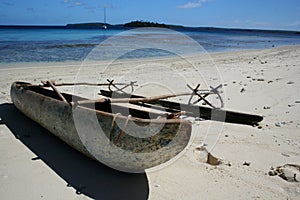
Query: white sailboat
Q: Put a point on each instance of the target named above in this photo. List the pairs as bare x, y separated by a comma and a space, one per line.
104, 25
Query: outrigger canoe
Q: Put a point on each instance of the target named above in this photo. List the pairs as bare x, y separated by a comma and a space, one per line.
105, 132
126, 132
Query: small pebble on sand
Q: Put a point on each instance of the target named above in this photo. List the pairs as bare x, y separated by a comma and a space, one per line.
278, 125
284, 154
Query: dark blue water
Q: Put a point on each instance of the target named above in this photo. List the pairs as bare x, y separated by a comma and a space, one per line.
27, 44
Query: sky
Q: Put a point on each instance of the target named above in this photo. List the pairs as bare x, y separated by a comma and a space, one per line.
253, 14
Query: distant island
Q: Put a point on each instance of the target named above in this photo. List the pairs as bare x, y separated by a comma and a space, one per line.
132, 24
141, 23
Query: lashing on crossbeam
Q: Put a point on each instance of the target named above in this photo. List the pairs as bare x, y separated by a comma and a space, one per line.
202, 94
112, 84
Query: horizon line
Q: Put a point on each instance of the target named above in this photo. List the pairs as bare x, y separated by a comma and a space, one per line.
182, 26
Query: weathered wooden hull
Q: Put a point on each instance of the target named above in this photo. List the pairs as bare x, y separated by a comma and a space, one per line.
126, 144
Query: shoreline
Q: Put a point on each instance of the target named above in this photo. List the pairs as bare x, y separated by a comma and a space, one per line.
42, 64
36, 165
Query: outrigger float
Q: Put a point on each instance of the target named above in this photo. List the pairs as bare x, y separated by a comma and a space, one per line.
126, 132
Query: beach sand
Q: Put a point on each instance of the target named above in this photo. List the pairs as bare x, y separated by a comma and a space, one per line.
34, 164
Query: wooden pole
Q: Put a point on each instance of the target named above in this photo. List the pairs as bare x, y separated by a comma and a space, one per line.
90, 84
57, 92
129, 100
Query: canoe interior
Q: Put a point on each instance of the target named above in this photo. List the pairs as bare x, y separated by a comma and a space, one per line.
105, 107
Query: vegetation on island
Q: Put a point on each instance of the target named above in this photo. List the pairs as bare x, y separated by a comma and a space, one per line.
145, 24
141, 23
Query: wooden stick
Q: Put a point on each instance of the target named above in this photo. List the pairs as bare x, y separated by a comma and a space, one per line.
91, 84
57, 92
130, 100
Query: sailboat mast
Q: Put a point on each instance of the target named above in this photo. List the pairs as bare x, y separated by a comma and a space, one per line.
104, 15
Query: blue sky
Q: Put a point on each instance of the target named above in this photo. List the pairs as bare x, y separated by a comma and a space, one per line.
259, 14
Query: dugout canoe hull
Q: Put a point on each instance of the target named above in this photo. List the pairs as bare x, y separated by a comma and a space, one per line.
130, 144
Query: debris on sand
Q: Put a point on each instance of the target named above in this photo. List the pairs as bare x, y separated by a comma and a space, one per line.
206, 157
288, 172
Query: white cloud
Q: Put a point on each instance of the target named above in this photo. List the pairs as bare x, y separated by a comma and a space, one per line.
73, 3
77, 3
295, 23
251, 23
91, 9
196, 4
107, 6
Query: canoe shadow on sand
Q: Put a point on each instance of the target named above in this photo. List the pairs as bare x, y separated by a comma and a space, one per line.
85, 175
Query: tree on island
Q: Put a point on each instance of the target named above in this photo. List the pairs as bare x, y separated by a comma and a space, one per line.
141, 23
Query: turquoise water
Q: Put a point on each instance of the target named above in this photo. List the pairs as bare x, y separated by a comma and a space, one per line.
42, 44
51, 34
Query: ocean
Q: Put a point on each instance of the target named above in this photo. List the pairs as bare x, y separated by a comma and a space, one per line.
60, 44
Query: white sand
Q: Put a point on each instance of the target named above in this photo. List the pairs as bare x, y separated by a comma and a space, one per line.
271, 82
